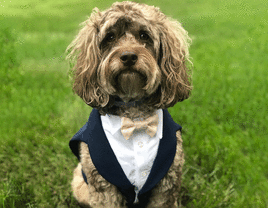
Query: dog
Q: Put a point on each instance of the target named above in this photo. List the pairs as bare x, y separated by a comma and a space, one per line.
130, 63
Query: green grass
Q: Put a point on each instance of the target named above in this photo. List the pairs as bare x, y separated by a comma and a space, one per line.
224, 122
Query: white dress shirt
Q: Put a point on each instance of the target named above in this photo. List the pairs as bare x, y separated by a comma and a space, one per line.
137, 154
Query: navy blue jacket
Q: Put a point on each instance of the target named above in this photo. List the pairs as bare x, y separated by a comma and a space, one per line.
105, 161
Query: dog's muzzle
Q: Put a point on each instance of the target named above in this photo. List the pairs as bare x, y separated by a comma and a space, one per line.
130, 81
130, 73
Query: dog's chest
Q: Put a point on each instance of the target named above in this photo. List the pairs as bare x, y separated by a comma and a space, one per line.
137, 154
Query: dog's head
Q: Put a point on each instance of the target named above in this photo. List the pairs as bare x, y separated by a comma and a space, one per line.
131, 51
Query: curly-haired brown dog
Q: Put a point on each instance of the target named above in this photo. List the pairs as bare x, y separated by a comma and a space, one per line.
130, 62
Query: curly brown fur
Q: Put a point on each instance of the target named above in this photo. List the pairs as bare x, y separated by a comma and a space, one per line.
132, 54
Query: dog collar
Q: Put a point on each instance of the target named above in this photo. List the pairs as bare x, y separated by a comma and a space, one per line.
119, 103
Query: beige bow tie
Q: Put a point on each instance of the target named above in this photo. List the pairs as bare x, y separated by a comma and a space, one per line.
128, 126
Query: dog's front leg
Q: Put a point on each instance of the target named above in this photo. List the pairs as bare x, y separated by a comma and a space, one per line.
98, 192
80, 187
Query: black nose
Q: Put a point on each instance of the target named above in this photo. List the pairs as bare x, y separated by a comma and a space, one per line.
128, 58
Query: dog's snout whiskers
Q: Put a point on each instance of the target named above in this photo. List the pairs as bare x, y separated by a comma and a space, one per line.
129, 58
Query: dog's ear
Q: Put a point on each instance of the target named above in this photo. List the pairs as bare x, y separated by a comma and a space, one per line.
84, 52
174, 63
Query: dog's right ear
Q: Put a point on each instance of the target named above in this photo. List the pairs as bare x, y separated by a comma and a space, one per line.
84, 53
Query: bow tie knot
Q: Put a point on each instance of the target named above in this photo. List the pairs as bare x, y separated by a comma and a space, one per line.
128, 126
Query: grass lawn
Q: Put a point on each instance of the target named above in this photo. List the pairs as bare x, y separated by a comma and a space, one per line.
224, 122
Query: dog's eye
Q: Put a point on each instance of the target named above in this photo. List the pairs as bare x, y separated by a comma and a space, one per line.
144, 35
110, 37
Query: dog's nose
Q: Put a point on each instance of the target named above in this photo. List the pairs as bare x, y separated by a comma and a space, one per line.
128, 58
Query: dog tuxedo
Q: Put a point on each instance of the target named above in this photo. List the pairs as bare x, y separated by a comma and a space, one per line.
134, 160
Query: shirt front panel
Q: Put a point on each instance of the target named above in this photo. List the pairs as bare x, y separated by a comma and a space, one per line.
137, 154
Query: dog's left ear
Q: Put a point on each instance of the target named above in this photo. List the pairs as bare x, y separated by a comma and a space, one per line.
174, 63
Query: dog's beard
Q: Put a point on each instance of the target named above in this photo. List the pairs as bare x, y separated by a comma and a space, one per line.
130, 83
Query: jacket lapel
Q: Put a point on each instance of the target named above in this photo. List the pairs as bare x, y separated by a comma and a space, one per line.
165, 155
102, 154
